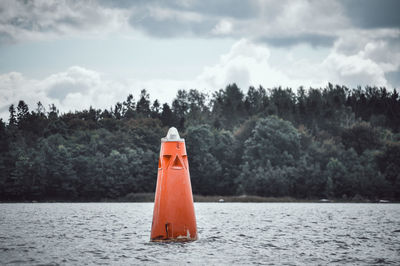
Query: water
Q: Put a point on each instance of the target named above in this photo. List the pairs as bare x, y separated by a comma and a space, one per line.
229, 233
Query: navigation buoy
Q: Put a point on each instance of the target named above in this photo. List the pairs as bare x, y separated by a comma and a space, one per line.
173, 215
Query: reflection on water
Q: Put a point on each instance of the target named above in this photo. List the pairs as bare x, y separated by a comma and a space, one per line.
229, 233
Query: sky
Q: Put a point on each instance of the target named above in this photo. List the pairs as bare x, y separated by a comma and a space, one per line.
78, 54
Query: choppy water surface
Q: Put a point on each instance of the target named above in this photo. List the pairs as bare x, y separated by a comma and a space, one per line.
229, 233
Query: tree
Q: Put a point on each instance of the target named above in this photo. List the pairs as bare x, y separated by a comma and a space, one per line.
155, 109
53, 112
143, 105
116, 172
273, 140
23, 111
256, 100
205, 170
128, 109
12, 121
273, 148
167, 117
180, 107
336, 173
224, 152
389, 164
330, 142
40, 109
198, 111
313, 108
228, 106
17, 182
284, 100
361, 137
3, 136
118, 111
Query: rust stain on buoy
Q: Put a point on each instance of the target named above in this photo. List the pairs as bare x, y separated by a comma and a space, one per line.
173, 216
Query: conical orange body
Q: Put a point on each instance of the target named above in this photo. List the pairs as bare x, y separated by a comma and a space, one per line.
173, 216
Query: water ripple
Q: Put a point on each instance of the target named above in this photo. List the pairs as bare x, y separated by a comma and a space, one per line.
229, 233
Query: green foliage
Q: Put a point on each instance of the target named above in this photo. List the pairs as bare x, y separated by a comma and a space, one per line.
316, 143
361, 136
167, 117
205, 169
12, 121
389, 165
228, 107
274, 140
336, 173
270, 156
143, 105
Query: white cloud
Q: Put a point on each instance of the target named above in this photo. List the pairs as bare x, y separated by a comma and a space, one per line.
353, 70
76, 88
292, 18
364, 56
79, 88
248, 64
223, 27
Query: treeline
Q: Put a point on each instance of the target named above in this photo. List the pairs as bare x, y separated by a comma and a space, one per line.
331, 142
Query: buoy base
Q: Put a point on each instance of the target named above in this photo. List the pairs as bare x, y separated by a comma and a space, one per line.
169, 240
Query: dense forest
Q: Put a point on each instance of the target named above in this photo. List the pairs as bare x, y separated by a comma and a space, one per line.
331, 142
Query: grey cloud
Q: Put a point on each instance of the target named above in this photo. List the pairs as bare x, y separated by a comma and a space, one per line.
26, 15
22, 22
23, 19
171, 27
30, 24
181, 23
237, 9
373, 13
126, 4
69, 20
315, 40
394, 78
254, 20
6, 38
275, 23
61, 90
382, 55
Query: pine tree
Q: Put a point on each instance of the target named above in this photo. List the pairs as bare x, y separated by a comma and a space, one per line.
12, 121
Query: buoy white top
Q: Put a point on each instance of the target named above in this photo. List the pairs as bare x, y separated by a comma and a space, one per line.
172, 135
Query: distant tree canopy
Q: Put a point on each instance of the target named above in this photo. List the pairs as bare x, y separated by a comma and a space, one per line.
328, 142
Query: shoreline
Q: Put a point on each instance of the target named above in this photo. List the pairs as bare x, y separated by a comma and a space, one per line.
149, 197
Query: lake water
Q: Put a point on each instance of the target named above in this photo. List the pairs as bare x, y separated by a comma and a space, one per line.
229, 233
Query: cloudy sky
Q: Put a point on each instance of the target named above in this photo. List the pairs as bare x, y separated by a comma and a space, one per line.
77, 54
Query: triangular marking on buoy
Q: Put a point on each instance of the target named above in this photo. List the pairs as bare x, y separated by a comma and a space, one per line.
177, 163
166, 160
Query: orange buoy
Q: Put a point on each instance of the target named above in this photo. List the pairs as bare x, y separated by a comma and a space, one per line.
173, 215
